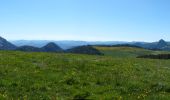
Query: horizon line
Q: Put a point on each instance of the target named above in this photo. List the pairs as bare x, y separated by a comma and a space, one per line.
81, 40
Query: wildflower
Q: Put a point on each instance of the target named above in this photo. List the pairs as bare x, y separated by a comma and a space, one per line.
120, 98
138, 97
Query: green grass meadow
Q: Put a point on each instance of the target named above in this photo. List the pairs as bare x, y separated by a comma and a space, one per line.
118, 75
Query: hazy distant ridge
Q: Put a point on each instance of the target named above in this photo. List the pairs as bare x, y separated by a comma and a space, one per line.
159, 45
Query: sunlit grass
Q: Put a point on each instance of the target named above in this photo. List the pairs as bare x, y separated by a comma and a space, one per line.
74, 76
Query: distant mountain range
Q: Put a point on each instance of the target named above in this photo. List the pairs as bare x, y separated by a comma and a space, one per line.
63, 44
160, 45
41, 43
49, 47
75, 46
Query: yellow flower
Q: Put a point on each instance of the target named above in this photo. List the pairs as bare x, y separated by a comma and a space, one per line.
120, 97
138, 97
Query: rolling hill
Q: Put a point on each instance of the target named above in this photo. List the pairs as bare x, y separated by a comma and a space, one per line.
28, 49
125, 51
51, 47
84, 50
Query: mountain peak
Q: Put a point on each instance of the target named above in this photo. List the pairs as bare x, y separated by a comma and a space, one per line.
162, 41
5, 45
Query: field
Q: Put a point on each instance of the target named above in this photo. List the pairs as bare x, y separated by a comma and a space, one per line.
118, 75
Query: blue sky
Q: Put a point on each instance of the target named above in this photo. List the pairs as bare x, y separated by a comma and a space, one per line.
90, 20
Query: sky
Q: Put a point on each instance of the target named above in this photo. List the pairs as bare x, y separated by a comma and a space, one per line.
87, 20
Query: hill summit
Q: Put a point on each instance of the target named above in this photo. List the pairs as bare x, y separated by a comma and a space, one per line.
51, 47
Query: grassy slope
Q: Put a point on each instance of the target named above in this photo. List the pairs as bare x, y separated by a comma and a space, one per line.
68, 76
126, 51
